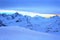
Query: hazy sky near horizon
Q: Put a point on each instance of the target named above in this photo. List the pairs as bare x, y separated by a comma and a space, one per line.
41, 6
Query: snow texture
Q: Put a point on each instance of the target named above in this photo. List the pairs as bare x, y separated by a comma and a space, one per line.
20, 33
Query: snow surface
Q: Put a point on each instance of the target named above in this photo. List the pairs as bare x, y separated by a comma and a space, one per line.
20, 33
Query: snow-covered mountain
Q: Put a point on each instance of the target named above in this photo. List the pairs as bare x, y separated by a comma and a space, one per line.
37, 23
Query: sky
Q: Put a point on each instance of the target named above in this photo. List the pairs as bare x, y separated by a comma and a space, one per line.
40, 6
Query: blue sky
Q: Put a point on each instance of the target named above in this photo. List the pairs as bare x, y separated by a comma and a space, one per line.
41, 6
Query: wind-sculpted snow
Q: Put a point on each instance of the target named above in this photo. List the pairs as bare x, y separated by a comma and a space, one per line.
36, 23
20, 33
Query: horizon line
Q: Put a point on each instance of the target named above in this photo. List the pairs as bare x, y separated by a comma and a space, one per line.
32, 14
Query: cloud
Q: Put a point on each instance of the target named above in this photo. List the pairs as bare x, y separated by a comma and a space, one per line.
32, 14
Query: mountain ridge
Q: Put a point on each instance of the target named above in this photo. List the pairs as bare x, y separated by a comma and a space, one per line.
32, 14
37, 23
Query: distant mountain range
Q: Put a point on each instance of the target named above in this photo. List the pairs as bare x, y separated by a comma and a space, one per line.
37, 23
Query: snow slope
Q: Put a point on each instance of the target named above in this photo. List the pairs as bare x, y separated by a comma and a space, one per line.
19, 33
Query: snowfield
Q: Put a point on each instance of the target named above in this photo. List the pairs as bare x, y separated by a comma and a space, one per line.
20, 33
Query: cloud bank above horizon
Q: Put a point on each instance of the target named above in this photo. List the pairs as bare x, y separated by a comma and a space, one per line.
32, 14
